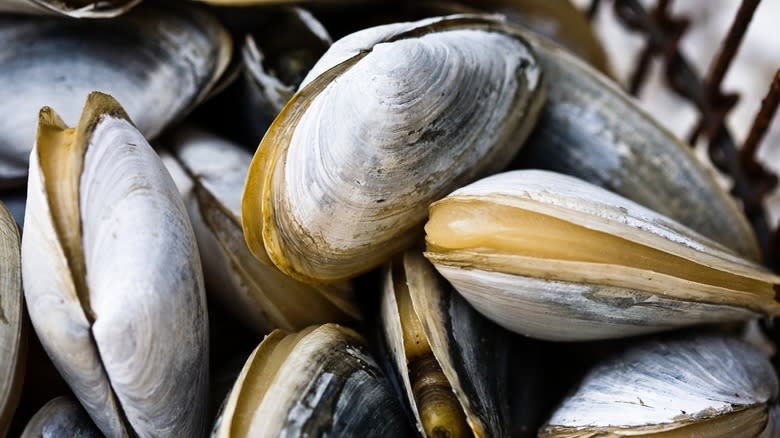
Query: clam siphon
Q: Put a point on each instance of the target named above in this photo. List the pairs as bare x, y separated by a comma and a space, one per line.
452, 361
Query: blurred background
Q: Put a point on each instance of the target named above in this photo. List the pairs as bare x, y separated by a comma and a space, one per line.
750, 74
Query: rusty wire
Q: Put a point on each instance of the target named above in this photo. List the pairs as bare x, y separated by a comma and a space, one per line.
663, 32
720, 103
749, 150
673, 30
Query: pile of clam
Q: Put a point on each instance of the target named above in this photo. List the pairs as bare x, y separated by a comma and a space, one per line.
453, 226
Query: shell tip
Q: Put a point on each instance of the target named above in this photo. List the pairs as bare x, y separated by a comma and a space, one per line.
97, 105
48, 121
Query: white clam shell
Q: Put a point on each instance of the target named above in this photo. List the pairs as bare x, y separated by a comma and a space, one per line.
137, 358
422, 108
572, 300
666, 383
566, 311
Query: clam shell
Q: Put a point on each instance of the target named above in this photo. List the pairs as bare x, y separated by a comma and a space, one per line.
262, 296
70, 8
420, 108
290, 44
590, 128
12, 334
265, 93
61, 417
318, 382
159, 61
472, 351
673, 385
112, 276
563, 297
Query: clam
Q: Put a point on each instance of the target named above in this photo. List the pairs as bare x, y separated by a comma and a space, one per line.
252, 288
591, 129
71, 8
452, 361
554, 257
320, 381
390, 119
697, 386
159, 61
279, 47
112, 276
277, 59
12, 337
61, 417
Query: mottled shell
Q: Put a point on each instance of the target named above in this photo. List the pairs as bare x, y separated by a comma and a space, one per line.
591, 129
569, 299
213, 172
158, 61
13, 343
472, 351
112, 276
59, 418
672, 384
70, 8
320, 382
390, 119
